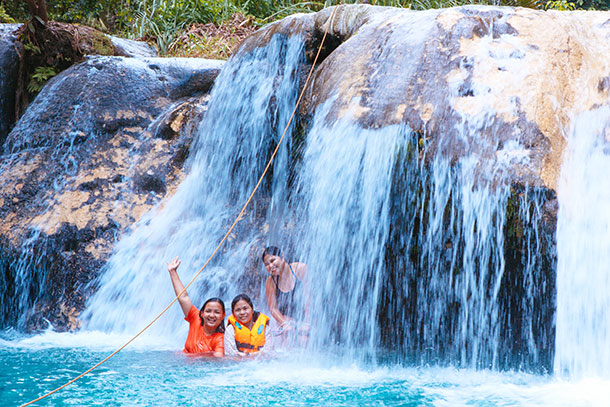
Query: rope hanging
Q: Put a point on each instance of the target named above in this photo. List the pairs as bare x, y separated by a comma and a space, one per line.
237, 219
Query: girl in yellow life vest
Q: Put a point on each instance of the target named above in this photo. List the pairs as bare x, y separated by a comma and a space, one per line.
246, 333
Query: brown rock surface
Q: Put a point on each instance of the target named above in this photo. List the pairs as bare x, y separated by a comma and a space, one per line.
485, 76
102, 144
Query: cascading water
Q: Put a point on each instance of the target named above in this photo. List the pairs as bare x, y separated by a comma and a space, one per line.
409, 255
27, 285
583, 229
416, 255
405, 252
342, 207
252, 98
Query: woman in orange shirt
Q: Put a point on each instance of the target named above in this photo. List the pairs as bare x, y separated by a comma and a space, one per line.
206, 327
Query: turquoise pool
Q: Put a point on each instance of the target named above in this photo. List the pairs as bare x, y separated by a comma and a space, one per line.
154, 373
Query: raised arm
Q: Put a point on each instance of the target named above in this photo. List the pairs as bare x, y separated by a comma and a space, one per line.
183, 299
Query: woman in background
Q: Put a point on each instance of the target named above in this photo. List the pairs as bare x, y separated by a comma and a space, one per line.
206, 326
286, 290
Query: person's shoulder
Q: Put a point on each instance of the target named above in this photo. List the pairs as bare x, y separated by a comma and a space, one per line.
300, 269
192, 314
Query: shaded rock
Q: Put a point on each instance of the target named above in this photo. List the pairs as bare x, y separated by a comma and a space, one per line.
83, 164
52, 47
9, 70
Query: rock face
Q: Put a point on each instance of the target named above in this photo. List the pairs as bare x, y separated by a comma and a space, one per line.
101, 144
65, 49
9, 64
494, 86
105, 140
512, 76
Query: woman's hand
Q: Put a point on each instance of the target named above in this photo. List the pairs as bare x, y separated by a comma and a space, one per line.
183, 298
173, 265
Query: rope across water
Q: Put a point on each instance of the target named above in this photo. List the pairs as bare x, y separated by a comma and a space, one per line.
237, 219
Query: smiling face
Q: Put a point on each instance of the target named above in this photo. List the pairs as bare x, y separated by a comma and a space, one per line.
243, 312
273, 264
213, 314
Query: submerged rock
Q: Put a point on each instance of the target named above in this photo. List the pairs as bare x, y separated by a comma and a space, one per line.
102, 144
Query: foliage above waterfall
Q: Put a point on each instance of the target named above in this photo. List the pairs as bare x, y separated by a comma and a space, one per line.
169, 23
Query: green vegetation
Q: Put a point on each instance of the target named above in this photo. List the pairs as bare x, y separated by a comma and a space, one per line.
4, 17
41, 75
175, 26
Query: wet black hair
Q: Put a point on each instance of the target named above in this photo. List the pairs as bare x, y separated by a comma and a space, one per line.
244, 297
272, 251
221, 327
239, 298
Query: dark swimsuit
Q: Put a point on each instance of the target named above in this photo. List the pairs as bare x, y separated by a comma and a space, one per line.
289, 304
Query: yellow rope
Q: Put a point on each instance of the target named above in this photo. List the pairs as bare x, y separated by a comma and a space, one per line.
237, 219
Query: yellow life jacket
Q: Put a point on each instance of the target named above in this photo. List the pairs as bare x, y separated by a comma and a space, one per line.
250, 341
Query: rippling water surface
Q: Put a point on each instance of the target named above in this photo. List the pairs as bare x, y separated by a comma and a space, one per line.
155, 373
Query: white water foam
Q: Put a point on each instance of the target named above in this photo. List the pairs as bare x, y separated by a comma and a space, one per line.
583, 236
225, 162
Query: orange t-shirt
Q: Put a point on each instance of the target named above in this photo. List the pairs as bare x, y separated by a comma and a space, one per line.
197, 341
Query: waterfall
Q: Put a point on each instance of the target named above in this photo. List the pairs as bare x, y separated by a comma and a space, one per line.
31, 271
413, 252
409, 255
583, 229
252, 101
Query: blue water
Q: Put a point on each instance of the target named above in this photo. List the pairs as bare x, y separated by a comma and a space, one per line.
347, 204
156, 373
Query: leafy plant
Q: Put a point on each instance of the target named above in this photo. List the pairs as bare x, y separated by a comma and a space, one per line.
41, 75
15, 10
4, 17
31, 47
165, 20
561, 5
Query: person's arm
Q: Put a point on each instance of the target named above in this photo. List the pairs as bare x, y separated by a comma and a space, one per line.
183, 299
219, 347
269, 339
272, 302
230, 347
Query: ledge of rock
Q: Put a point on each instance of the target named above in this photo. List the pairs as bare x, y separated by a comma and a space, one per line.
505, 81
102, 144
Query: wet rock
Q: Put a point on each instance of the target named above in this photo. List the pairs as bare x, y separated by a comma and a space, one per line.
81, 166
499, 82
9, 69
495, 86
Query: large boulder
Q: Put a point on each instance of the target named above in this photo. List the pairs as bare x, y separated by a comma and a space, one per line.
511, 77
62, 46
490, 92
102, 144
